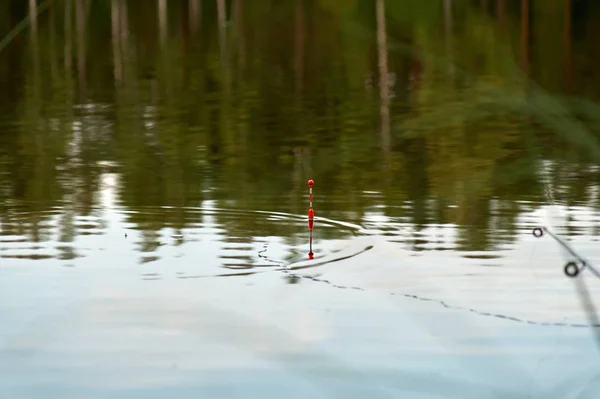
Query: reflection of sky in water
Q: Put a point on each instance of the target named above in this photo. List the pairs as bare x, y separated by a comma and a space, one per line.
101, 328
111, 334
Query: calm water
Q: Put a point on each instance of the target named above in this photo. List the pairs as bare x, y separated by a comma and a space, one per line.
153, 168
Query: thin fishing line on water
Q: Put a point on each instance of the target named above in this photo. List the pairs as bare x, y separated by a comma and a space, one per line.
446, 304
533, 249
261, 254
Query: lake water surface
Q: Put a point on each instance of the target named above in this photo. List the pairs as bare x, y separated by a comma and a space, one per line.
153, 185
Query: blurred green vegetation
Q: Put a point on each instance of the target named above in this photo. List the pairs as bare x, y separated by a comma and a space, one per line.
186, 103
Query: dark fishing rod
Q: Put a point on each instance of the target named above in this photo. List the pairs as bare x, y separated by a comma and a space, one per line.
571, 268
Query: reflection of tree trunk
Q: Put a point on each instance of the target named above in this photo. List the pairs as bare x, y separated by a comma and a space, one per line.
299, 92
484, 4
162, 21
124, 29
33, 17
239, 36
162, 35
221, 17
194, 14
80, 26
222, 21
68, 36
184, 27
35, 50
299, 59
383, 77
225, 105
127, 55
241, 123
34, 34
500, 11
449, 34
52, 35
116, 40
525, 36
568, 53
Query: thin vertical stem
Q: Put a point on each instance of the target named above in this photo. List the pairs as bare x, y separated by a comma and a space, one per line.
68, 36
33, 17
194, 14
500, 11
35, 50
525, 36
239, 32
116, 41
52, 35
226, 107
81, 60
185, 32
299, 59
448, 17
124, 26
221, 16
162, 20
383, 77
449, 34
568, 49
162, 33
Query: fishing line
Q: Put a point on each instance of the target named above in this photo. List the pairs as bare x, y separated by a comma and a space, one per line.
539, 365
261, 254
529, 262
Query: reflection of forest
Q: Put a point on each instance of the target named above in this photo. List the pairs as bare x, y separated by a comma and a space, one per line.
428, 103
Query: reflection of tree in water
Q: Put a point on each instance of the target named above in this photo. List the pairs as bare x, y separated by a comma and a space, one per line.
249, 107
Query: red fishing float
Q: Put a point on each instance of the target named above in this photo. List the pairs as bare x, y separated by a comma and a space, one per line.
311, 217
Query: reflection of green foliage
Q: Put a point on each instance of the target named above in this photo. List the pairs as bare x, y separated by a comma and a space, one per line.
254, 120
